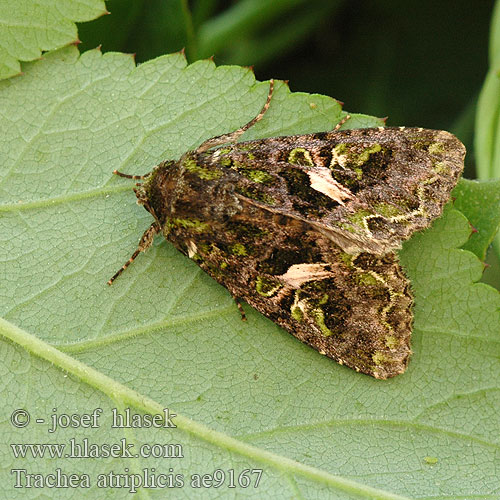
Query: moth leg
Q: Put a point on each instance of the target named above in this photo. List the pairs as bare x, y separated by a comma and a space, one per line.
136, 177
234, 136
144, 243
240, 308
341, 122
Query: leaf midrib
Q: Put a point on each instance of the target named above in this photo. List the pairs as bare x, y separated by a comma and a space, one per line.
118, 392
59, 200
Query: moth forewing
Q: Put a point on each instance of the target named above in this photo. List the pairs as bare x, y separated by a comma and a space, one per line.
303, 228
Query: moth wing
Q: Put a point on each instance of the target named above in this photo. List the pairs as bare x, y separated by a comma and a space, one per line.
365, 189
360, 314
355, 309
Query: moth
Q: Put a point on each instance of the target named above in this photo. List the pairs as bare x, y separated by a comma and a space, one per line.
305, 228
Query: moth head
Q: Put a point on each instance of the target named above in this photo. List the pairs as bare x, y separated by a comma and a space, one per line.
141, 191
155, 192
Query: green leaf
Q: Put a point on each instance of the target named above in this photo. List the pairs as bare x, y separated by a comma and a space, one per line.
487, 133
479, 201
257, 31
247, 395
28, 28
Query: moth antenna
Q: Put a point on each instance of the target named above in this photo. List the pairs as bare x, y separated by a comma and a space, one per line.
135, 177
262, 112
234, 136
144, 243
341, 122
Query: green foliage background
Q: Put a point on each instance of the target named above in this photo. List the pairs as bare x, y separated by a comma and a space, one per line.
248, 395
